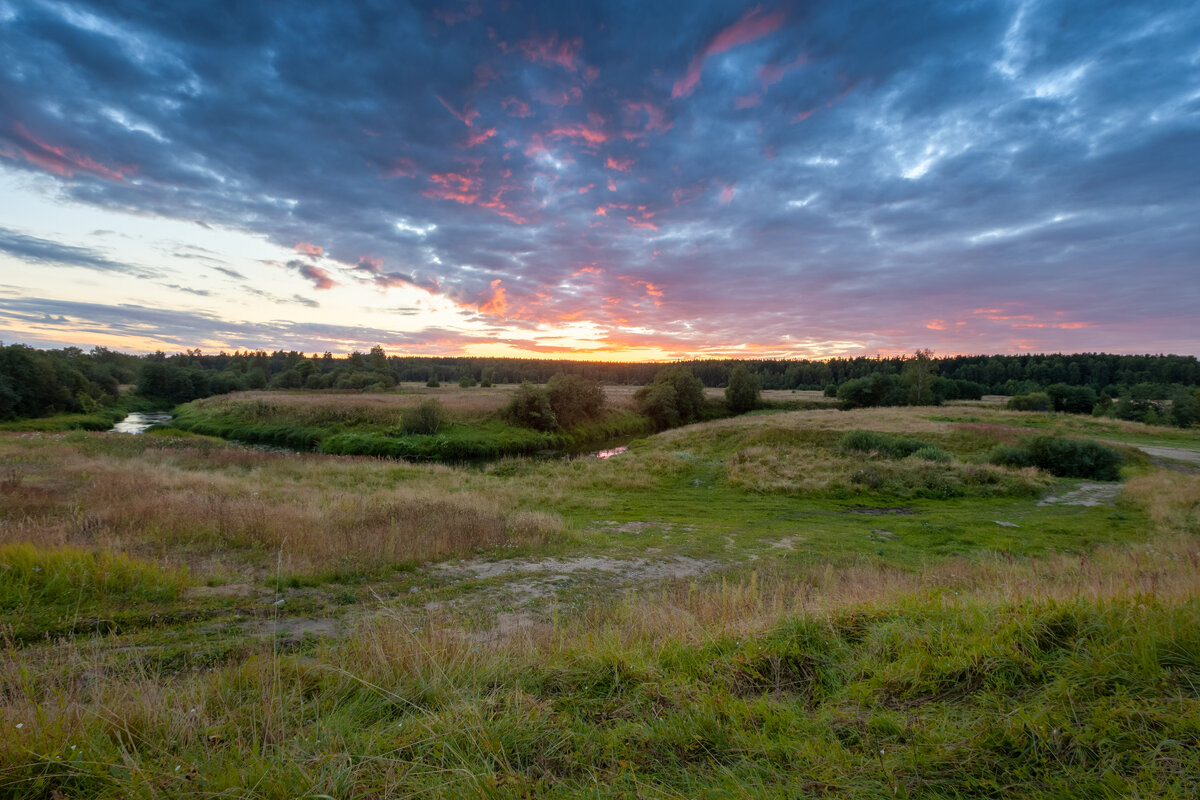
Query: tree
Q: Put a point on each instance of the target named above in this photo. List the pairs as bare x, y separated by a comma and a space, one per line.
530, 407
574, 398
674, 397
742, 393
918, 374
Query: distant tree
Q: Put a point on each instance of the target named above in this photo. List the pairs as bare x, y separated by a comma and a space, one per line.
918, 375
742, 393
1034, 401
877, 389
466, 382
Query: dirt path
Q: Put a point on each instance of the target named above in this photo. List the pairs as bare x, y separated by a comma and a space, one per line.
1171, 453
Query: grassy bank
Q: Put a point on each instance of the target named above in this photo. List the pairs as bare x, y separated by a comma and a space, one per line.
742, 608
371, 425
99, 420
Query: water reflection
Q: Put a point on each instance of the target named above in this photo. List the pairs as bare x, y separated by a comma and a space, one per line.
140, 422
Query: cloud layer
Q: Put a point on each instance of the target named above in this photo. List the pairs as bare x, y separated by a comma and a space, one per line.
672, 178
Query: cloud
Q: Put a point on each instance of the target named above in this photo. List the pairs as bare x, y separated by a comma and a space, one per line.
891, 169
754, 24
34, 250
320, 277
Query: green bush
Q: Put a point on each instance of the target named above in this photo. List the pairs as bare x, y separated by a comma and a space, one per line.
574, 398
466, 382
1066, 458
1006, 455
424, 419
1034, 401
433, 383
674, 397
931, 453
530, 407
885, 444
742, 393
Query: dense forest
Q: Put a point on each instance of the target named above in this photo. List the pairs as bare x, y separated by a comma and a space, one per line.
41, 382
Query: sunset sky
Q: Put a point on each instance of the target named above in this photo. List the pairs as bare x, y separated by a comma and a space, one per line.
618, 180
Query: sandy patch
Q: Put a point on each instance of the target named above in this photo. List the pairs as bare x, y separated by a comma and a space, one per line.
632, 569
1087, 494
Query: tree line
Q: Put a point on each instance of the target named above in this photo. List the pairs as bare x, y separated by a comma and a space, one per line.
39, 382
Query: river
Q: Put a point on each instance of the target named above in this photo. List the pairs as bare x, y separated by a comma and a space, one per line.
140, 421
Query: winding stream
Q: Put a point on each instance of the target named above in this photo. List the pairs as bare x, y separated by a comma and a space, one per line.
140, 421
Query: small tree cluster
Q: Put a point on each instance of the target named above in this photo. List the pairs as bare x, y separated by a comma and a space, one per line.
566, 401
574, 399
674, 397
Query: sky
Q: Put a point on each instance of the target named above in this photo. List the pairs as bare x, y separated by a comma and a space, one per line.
601, 180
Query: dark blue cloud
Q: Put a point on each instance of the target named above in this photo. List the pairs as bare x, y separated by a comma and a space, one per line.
726, 174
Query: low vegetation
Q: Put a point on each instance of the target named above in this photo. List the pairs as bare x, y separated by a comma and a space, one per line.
819, 602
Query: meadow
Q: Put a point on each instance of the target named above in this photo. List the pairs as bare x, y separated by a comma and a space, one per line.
749, 607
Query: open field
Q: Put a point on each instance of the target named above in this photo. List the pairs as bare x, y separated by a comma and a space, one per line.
738, 608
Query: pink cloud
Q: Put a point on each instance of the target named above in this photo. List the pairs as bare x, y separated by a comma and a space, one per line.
319, 277
620, 165
459, 187
686, 194
560, 98
515, 107
590, 132
550, 51
484, 75
401, 168
656, 118
747, 101
727, 193
309, 249
771, 74
467, 116
62, 161
754, 24
480, 138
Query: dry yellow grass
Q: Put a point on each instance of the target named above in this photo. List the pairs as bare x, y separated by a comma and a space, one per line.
317, 511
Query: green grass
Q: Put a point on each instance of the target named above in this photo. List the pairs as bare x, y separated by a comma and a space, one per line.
842, 638
373, 433
921, 697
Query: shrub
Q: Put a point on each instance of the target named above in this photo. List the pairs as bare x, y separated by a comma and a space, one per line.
885, 444
1006, 455
530, 407
1071, 399
425, 418
574, 398
930, 453
433, 383
1074, 458
1034, 401
674, 397
876, 389
466, 382
1066, 458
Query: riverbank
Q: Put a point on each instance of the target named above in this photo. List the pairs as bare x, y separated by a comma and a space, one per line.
372, 425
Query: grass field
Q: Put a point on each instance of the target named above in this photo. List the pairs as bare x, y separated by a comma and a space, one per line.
371, 423
742, 608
